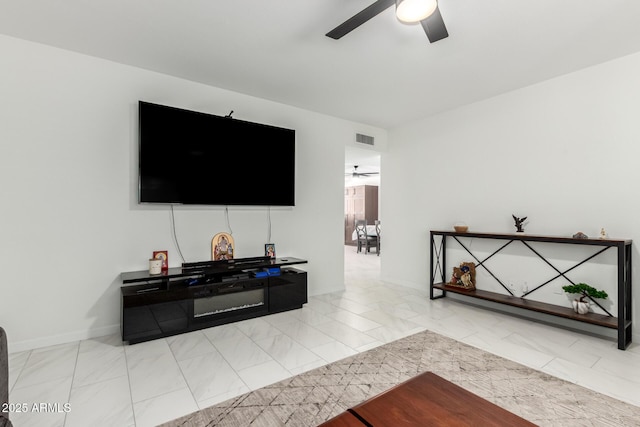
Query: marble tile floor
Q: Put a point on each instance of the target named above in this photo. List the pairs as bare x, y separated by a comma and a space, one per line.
100, 382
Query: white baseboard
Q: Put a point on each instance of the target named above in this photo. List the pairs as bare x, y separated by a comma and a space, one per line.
18, 346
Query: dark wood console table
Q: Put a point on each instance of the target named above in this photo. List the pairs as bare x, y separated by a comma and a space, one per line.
623, 321
427, 400
201, 295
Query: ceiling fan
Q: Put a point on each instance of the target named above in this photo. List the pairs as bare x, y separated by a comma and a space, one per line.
428, 13
356, 174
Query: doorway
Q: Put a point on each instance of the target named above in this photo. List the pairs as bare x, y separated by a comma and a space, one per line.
361, 191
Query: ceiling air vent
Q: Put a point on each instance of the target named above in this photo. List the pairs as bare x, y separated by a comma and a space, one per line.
364, 139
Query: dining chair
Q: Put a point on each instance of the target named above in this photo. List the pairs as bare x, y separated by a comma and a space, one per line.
364, 239
361, 232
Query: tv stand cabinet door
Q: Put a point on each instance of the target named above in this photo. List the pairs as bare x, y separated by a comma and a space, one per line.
287, 291
153, 321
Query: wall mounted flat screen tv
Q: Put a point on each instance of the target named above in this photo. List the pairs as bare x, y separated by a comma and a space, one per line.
188, 157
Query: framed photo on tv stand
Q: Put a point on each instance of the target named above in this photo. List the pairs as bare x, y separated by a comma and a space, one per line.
270, 250
164, 256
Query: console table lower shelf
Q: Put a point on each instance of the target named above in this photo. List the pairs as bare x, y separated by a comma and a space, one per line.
540, 307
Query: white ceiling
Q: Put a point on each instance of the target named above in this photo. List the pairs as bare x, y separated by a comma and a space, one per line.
384, 73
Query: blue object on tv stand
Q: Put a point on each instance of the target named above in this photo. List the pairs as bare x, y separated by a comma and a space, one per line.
273, 271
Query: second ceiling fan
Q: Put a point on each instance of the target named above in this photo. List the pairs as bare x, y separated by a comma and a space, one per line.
432, 24
356, 174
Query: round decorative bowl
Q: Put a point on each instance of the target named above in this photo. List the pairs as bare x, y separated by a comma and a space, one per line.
461, 228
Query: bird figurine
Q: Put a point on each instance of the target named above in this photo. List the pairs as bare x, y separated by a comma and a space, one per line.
519, 223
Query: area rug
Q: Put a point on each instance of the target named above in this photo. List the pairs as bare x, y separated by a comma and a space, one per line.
315, 396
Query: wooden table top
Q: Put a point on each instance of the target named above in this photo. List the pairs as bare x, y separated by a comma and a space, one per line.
428, 399
345, 419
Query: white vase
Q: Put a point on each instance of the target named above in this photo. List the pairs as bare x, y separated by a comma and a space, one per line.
580, 307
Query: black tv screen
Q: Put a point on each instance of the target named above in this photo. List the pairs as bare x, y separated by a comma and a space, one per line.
188, 157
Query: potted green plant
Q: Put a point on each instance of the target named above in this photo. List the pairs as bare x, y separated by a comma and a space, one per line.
581, 305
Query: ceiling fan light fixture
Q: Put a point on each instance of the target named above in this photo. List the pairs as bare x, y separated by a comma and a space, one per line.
414, 10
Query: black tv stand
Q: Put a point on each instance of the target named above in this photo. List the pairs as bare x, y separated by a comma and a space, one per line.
227, 262
209, 293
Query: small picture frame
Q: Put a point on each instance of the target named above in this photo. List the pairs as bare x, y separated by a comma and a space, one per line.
164, 256
270, 250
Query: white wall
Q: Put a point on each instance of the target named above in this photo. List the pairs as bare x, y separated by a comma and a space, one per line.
68, 169
563, 152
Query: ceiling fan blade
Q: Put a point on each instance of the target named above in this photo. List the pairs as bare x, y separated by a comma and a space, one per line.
434, 26
360, 18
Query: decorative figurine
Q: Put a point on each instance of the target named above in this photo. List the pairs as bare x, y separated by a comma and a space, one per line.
519, 223
603, 233
580, 235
